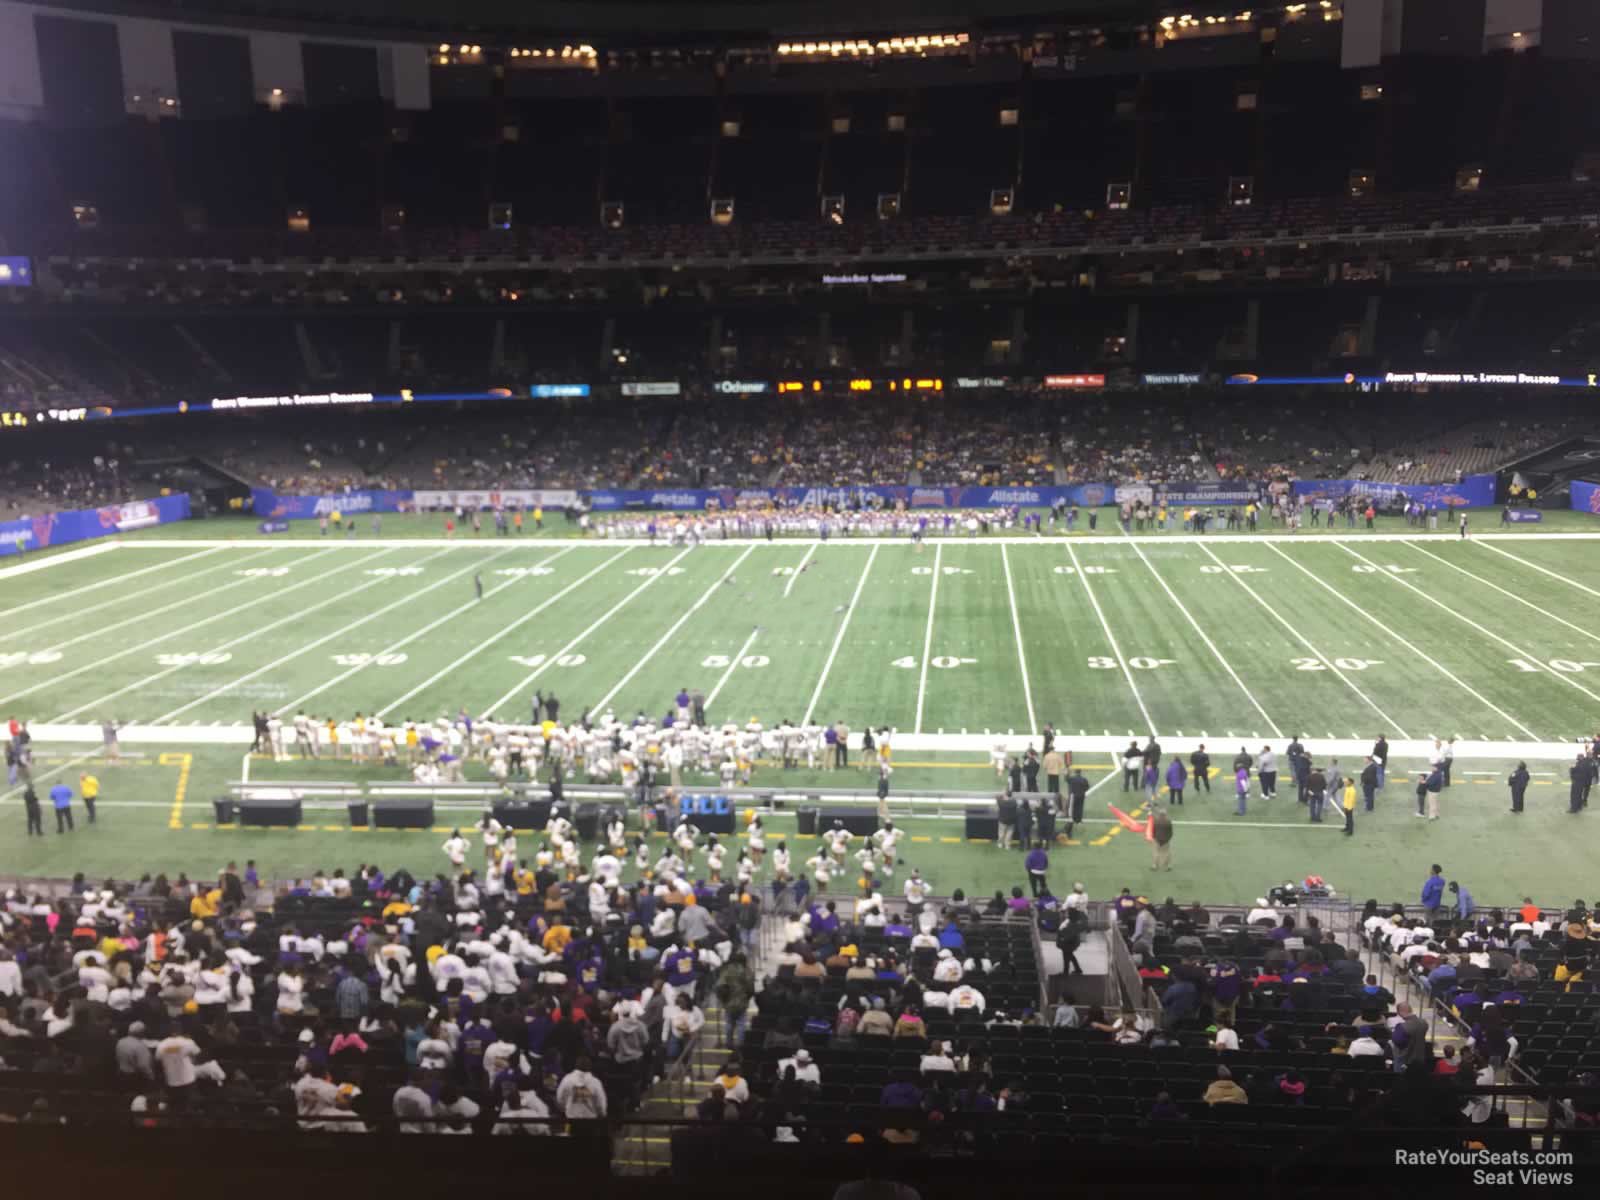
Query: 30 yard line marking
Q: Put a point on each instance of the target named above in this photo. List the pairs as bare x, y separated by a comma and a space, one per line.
179, 632
570, 646
1301, 638
1016, 629
927, 638
411, 637
113, 585
497, 635
795, 574
1488, 633
1077, 569
600, 704
827, 665
1212, 646
1593, 637
1351, 604
1488, 545
733, 665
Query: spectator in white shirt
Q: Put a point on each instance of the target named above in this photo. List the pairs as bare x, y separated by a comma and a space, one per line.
805, 1071
938, 1059
517, 1107
1227, 1037
10, 974
413, 1106
948, 967
579, 1095
177, 1055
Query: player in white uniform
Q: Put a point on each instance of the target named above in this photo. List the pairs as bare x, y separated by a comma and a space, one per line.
455, 849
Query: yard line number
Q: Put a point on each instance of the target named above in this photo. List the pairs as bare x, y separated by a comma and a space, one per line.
208, 658
1566, 666
1231, 569
1141, 663
1343, 664
1390, 568
655, 571
369, 660
522, 572
944, 662
1086, 570
537, 660
942, 571
390, 572
262, 572
25, 658
722, 660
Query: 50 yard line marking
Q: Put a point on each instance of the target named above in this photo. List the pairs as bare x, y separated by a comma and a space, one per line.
1351, 604
1187, 616
601, 703
833, 651
1077, 569
927, 638
1016, 629
732, 666
1301, 638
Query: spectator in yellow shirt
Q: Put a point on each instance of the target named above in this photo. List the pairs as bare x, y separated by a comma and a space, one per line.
89, 789
204, 906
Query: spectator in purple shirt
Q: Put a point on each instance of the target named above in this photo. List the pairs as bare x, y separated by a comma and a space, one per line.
1037, 863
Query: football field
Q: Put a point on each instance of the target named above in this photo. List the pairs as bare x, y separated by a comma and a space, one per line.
1233, 640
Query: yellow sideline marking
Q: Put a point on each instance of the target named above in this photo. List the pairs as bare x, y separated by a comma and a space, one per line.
183, 762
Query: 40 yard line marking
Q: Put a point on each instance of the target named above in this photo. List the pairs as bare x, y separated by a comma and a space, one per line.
1593, 637
1187, 616
601, 703
1352, 605
927, 638
795, 574
1016, 629
1299, 637
1487, 545
833, 651
1077, 569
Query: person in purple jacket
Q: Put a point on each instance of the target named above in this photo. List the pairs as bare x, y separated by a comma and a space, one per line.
1037, 863
1241, 787
1177, 779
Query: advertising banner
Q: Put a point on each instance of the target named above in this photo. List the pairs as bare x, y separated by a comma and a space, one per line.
1524, 516
1088, 495
1475, 491
558, 391
267, 503
1074, 381
1208, 492
665, 387
1586, 496
743, 387
273, 527
509, 498
58, 529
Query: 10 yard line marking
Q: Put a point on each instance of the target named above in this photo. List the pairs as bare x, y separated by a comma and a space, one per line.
1520, 600
609, 613
112, 584
1016, 628
927, 639
1077, 569
1299, 637
1349, 603
795, 574
495, 637
1171, 595
672, 629
1582, 587
1567, 679
827, 665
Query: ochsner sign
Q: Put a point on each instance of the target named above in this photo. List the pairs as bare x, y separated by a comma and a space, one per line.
742, 387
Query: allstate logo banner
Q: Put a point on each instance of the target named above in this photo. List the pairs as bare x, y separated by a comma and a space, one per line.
267, 503
1475, 491
1585, 496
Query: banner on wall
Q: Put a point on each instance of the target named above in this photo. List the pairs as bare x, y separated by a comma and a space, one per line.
267, 503
1475, 491
508, 498
1586, 496
1524, 516
659, 387
59, 529
1088, 495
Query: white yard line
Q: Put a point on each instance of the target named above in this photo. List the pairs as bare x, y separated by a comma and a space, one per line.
1210, 645
1077, 569
795, 574
927, 638
115, 581
181, 631
38, 776
1016, 629
495, 637
342, 632
143, 617
661, 573
1389, 721
1488, 545
1591, 635
1389, 630
29, 565
294, 616
732, 667
295, 704
600, 704
838, 638
1488, 633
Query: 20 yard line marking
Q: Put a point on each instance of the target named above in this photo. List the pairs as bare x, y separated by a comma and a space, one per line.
1299, 637
495, 637
1593, 637
609, 613
1487, 545
827, 665
1077, 569
1488, 633
1016, 628
1212, 646
795, 574
927, 638
1351, 604
601, 703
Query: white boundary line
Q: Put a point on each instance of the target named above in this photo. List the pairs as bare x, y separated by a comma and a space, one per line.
927, 638
342, 631
1488, 633
1391, 632
55, 598
661, 573
44, 564
1582, 587
496, 636
1016, 628
1388, 721
166, 637
793, 575
732, 666
838, 637
1593, 637
1077, 569
600, 704
411, 637
1212, 646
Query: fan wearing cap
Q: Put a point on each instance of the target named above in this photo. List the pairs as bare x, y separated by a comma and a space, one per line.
805, 1070
947, 968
